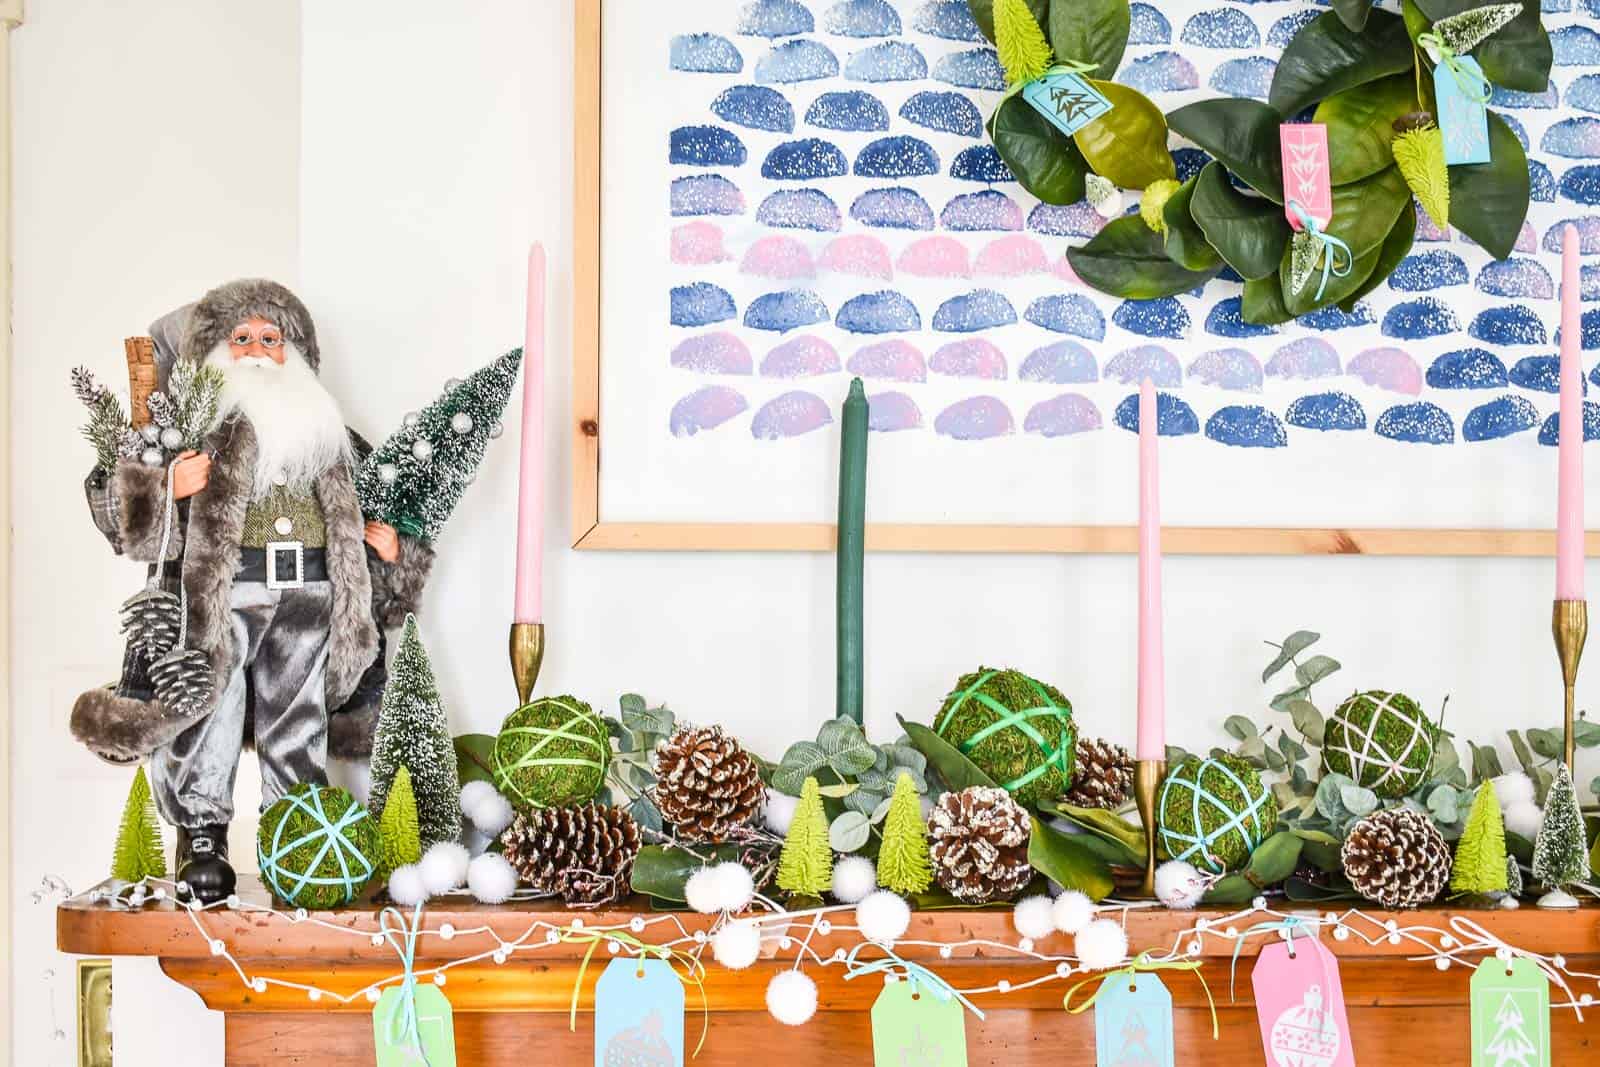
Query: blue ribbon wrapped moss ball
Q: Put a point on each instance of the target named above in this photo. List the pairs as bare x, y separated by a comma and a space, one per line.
1018, 731
550, 753
1213, 812
317, 847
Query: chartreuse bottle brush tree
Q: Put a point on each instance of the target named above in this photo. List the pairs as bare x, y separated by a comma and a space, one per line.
805, 866
139, 851
903, 863
397, 826
1480, 863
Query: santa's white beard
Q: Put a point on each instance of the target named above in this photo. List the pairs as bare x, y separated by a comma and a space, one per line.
299, 430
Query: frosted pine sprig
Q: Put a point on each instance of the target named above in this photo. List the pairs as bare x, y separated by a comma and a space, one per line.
107, 429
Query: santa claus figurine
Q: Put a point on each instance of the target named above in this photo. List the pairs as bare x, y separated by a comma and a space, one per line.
285, 586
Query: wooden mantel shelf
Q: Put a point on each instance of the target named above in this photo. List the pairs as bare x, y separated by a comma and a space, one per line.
1395, 1001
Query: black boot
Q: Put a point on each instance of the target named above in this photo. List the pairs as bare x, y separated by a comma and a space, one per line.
203, 863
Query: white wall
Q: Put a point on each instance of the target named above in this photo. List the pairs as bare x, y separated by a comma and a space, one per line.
432, 148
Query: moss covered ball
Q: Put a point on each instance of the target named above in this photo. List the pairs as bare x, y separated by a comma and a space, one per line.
317, 847
1017, 730
1214, 812
1381, 740
550, 753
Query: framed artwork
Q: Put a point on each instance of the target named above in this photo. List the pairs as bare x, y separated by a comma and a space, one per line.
774, 196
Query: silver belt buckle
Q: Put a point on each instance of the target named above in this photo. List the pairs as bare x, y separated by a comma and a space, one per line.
282, 554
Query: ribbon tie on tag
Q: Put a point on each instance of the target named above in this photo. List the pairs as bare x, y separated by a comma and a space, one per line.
1473, 85
1142, 962
689, 969
1071, 67
916, 974
1331, 247
1287, 925
402, 1021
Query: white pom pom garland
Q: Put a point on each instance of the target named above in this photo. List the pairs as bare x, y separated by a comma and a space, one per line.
1101, 944
1034, 917
1179, 885
491, 879
854, 877
883, 916
735, 886
475, 793
1513, 788
444, 867
1072, 911
405, 886
491, 815
737, 944
703, 891
779, 811
792, 997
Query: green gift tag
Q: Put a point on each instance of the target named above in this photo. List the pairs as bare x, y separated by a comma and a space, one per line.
1510, 1014
430, 1043
913, 1027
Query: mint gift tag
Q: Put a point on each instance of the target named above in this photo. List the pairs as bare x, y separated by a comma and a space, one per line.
1300, 1005
431, 1044
638, 1015
1510, 1014
1133, 1022
1067, 99
912, 1027
1463, 96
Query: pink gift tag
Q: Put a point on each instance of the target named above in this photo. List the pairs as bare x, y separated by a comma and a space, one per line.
1300, 1005
1306, 180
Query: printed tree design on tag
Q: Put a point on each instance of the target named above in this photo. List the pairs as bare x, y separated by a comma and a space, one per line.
1136, 1051
1510, 1046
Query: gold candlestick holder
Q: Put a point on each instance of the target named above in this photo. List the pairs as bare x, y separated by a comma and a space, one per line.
527, 655
1569, 622
1147, 776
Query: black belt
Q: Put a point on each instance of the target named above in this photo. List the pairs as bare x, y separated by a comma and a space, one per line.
253, 566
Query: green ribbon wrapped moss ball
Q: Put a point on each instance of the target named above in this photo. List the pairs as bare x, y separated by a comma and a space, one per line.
550, 753
1017, 730
1214, 812
317, 847
1383, 741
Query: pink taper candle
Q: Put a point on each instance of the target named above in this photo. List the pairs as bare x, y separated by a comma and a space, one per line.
530, 494
1152, 743
1569, 505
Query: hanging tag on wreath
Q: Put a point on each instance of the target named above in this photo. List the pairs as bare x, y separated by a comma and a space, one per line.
1133, 1022
911, 1025
638, 1015
1065, 97
415, 1028
1462, 93
1300, 1005
1307, 180
1510, 1014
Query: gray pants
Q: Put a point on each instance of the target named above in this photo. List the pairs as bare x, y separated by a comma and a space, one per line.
276, 692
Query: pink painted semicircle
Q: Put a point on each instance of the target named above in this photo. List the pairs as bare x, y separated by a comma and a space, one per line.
1387, 368
1011, 257
859, 254
778, 256
697, 243
936, 257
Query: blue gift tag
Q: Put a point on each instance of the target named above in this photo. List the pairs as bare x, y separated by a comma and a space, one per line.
1066, 99
638, 1015
1463, 93
1133, 1022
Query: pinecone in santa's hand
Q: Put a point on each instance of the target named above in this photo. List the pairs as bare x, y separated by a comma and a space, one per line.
150, 619
1104, 775
1397, 858
583, 854
706, 784
978, 841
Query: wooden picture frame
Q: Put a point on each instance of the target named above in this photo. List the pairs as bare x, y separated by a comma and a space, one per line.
591, 530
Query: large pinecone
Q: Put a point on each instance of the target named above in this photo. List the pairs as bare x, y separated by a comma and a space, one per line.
1104, 775
978, 841
583, 854
706, 784
1396, 857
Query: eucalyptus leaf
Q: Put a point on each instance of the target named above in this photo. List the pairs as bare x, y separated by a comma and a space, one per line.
1251, 748
905, 755
801, 760
1330, 798
1242, 135
1395, 249
1127, 259
1068, 862
1358, 800
839, 791
1517, 56
1328, 57
1128, 144
1300, 640
1551, 744
1489, 201
1089, 31
846, 747
1238, 727
1360, 125
1292, 750
1308, 720
1249, 232
646, 814
1519, 748
1044, 160
1585, 734
849, 831
1275, 760
1186, 242
881, 812
1485, 762
1442, 804
1315, 669
1283, 700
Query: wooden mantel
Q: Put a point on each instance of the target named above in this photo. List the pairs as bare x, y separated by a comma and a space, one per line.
504, 1011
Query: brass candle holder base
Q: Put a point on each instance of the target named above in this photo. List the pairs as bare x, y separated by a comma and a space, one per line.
1147, 777
1569, 622
527, 656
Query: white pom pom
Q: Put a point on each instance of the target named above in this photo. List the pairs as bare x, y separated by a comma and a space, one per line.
1034, 917
1179, 885
779, 811
703, 891
735, 885
853, 878
475, 793
883, 917
491, 879
1101, 944
1524, 818
737, 944
1513, 788
491, 815
792, 997
444, 867
405, 886
1072, 911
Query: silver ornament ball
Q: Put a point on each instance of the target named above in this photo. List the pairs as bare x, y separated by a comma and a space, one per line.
388, 473
150, 432
496, 428
152, 457
461, 423
422, 448
171, 437
411, 420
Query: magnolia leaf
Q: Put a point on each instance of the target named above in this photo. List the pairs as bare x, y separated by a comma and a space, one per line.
1242, 135
1315, 669
1272, 861
1090, 31
1364, 213
1186, 242
1467, 30
1129, 260
846, 747
1353, 13
1068, 862
661, 870
1262, 304
474, 758
1327, 57
1360, 125
1128, 144
1358, 800
849, 831
1489, 201
1395, 249
952, 765
1296, 642
1249, 232
1103, 823
1044, 160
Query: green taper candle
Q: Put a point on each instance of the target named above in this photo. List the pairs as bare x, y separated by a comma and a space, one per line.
852, 542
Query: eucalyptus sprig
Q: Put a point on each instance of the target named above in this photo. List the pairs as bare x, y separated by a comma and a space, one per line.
856, 776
